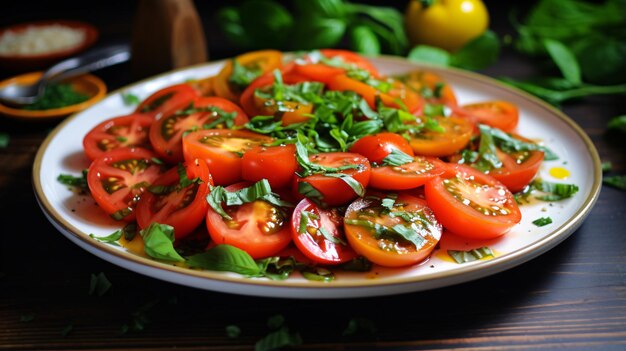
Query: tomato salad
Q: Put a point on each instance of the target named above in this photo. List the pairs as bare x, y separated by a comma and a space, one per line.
317, 157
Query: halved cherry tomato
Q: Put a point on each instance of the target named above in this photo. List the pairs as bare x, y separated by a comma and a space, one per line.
518, 167
260, 62
222, 149
497, 114
378, 146
166, 202
204, 86
312, 234
456, 133
472, 204
277, 164
384, 245
431, 87
333, 191
124, 131
257, 227
322, 72
395, 95
119, 177
167, 100
289, 112
406, 176
166, 133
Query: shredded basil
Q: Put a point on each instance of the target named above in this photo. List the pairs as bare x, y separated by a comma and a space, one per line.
78, 182
397, 158
99, 284
305, 218
470, 255
242, 76
260, 190
543, 221
130, 99
357, 187
357, 264
616, 181
397, 231
553, 191
389, 201
159, 242
109, 239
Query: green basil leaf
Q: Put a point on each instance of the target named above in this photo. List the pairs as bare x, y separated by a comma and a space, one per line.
78, 182
130, 99
229, 22
543, 221
507, 143
159, 242
313, 32
616, 181
320, 8
318, 274
618, 124
307, 190
232, 331
389, 201
225, 258
470, 255
109, 239
564, 59
553, 191
429, 54
357, 264
479, 53
397, 158
330, 237
606, 166
278, 339
278, 268
363, 40
267, 23
99, 284
260, 190
305, 218
357, 187
399, 230
242, 76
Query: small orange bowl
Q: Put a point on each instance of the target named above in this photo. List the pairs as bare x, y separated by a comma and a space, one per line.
87, 84
31, 62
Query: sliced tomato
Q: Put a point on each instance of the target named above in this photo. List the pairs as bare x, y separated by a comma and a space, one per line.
223, 150
119, 177
256, 62
205, 113
497, 114
374, 230
166, 202
331, 190
124, 131
378, 146
259, 228
342, 60
167, 100
456, 134
394, 94
277, 164
406, 176
431, 87
289, 112
472, 204
318, 234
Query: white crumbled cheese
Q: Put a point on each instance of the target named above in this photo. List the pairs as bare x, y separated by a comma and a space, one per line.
36, 40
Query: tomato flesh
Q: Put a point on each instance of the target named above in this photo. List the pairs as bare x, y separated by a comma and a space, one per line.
407, 176
259, 228
277, 164
377, 147
382, 247
124, 131
472, 204
184, 209
167, 100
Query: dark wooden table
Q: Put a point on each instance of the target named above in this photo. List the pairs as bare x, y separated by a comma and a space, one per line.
572, 297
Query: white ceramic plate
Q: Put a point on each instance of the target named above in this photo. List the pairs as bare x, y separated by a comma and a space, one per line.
77, 216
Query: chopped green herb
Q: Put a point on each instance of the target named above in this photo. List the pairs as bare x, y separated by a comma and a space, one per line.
357, 187
553, 191
470, 255
278, 339
389, 201
606, 166
307, 190
357, 264
618, 124
4, 140
543, 221
330, 237
109, 239
260, 190
140, 317
57, 95
99, 284
232, 331
78, 182
121, 214
398, 231
242, 76
305, 218
130, 99
159, 242
360, 325
616, 181
397, 158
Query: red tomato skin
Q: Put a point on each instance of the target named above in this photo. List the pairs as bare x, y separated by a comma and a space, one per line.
135, 134
225, 166
184, 219
336, 192
377, 147
277, 164
249, 237
497, 114
389, 179
171, 149
517, 177
182, 95
109, 203
464, 220
324, 252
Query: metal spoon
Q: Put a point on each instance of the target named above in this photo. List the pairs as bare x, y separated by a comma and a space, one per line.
17, 95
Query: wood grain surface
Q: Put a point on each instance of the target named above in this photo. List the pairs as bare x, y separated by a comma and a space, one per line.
572, 297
